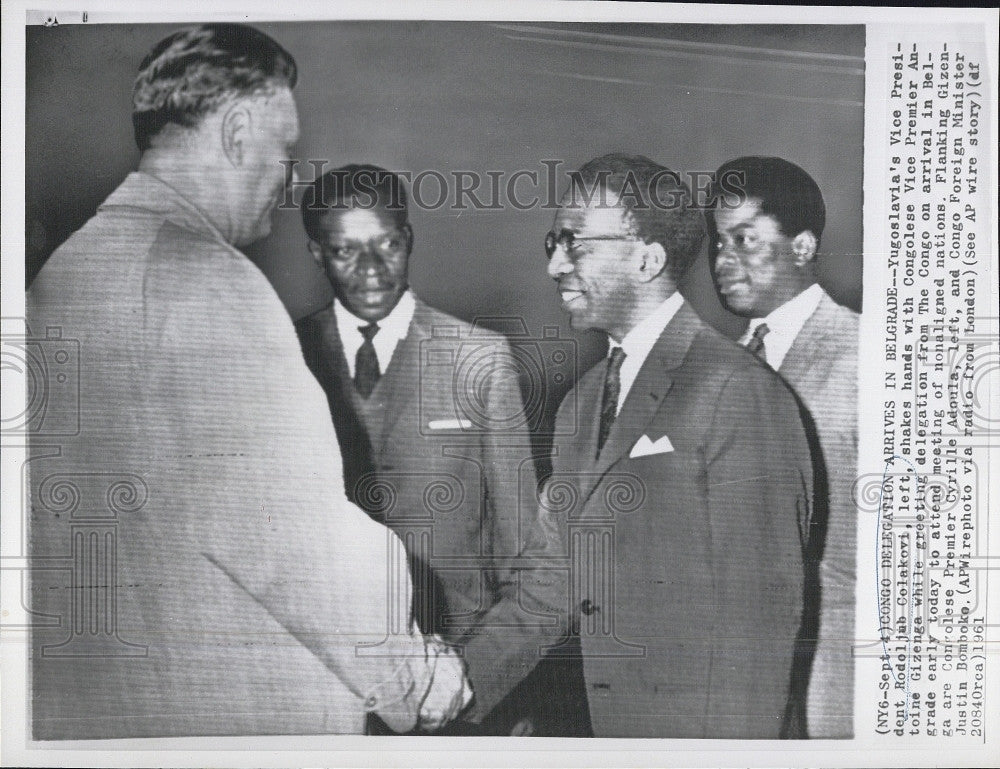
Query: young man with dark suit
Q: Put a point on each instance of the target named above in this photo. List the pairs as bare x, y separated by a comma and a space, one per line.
432, 429
682, 502
764, 260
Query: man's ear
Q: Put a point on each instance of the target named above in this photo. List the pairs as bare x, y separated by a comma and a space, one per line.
237, 124
316, 252
804, 247
653, 261
408, 231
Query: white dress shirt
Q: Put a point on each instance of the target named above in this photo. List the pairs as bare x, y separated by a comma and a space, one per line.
640, 340
784, 324
391, 330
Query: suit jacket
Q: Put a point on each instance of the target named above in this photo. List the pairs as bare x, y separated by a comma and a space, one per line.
821, 367
686, 564
198, 568
441, 454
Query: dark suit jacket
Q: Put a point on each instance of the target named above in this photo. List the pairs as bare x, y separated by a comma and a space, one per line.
686, 565
440, 453
822, 369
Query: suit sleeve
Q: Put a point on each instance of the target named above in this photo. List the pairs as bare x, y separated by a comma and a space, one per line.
503, 644
254, 448
759, 482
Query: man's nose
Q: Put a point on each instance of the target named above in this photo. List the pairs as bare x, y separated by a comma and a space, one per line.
724, 255
369, 262
559, 264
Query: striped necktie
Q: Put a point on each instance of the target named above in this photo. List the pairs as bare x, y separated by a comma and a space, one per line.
756, 343
609, 401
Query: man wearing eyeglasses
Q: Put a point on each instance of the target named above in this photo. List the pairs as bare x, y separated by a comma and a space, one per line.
683, 500
434, 448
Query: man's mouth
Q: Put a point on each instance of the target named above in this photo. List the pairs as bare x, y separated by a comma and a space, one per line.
569, 295
728, 285
372, 295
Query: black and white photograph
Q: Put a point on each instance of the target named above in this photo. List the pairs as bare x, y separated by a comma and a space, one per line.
413, 378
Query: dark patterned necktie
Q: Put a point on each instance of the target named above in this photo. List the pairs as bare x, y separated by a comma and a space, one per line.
756, 343
609, 401
366, 370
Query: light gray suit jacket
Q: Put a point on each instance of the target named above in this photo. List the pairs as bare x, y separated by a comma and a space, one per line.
440, 452
822, 369
198, 568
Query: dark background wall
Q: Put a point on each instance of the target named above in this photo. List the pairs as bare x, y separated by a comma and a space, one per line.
453, 96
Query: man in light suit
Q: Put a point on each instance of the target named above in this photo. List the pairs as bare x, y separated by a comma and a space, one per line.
764, 261
198, 569
683, 501
431, 424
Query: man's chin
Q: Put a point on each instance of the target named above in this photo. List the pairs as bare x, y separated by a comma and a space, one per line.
374, 310
737, 304
261, 231
580, 322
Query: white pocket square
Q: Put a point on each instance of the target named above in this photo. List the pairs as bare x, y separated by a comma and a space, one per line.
449, 424
644, 447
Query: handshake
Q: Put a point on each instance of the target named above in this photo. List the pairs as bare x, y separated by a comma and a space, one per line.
449, 692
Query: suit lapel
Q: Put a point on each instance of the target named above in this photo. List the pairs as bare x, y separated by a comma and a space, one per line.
399, 385
574, 444
808, 345
327, 351
324, 353
645, 398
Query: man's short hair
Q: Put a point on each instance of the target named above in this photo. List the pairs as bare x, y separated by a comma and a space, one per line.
784, 190
193, 71
353, 186
657, 202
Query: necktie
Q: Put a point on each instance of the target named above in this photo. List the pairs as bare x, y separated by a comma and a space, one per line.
756, 343
609, 401
366, 371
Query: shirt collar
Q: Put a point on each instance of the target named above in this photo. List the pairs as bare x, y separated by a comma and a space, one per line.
142, 190
393, 326
789, 318
640, 340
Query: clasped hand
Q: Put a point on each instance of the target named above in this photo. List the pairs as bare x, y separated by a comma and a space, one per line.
450, 692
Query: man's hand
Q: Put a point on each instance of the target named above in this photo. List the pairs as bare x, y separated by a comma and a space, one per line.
450, 692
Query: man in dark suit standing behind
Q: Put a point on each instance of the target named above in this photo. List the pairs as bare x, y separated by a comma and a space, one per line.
685, 492
764, 263
431, 425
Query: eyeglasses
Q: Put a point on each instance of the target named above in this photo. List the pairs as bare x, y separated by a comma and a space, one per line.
568, 242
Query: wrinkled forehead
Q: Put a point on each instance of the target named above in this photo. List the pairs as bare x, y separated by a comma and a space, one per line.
587, 219
360, 224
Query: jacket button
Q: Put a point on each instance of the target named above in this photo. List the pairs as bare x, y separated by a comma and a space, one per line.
588, 607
